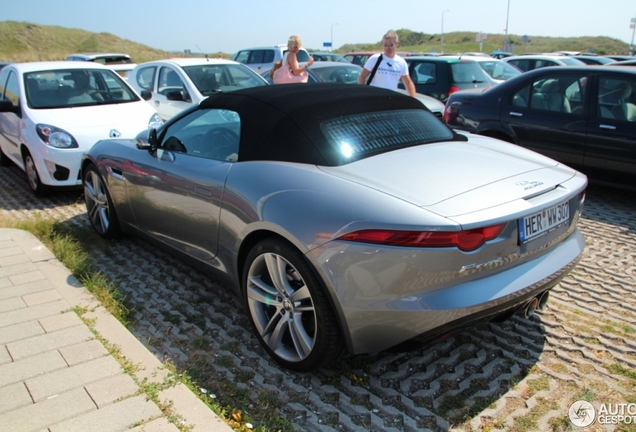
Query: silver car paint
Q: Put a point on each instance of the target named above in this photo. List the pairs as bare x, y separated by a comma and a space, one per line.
409, 290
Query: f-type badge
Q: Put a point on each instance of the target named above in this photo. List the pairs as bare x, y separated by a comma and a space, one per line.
529, 184
114, 133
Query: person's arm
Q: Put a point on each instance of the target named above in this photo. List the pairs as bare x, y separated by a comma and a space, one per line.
293, 63
362, 78
408, 85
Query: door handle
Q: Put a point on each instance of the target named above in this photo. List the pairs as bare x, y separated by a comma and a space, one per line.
604, 126
516, 114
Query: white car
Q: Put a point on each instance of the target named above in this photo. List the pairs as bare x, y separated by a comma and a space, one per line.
51, 113
120, 63
177, 84
527, 62
263, 58
497, 70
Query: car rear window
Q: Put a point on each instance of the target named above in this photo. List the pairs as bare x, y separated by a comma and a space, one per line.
362, 135
467, 72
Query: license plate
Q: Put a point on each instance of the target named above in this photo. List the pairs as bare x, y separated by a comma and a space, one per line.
544, 221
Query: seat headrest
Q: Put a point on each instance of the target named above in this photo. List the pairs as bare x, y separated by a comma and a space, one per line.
550, 85
624, 90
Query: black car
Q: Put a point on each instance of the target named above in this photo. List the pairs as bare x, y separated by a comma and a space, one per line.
441, 76
584, 117
625, 63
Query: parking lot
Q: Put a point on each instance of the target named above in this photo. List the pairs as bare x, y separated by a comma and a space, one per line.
522, 374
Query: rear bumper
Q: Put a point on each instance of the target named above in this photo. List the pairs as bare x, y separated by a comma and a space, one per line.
373, 323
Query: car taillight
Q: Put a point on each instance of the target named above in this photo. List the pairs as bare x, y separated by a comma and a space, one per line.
452, 90
451, 111
466, 240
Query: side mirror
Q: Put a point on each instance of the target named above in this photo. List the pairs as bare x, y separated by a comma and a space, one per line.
7, 106
147, 140
146, 95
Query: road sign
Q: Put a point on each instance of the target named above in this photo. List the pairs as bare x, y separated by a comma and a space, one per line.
480, 37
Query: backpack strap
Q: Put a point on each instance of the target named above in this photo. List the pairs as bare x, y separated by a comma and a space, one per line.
375, 68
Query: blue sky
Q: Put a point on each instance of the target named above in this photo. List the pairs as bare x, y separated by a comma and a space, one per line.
213, 25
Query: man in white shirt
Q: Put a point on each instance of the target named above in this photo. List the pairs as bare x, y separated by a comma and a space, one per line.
392, 67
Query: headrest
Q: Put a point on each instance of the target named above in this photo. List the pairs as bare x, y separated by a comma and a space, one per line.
623, 90
550, 85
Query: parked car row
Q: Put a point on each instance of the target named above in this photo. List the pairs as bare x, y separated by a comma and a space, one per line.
309, 199
347, 73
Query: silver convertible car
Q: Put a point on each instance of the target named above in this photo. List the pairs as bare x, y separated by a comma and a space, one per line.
348, 218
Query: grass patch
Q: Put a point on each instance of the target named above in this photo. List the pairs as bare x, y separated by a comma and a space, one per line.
586, 394
621, 370
529, 421
539, 384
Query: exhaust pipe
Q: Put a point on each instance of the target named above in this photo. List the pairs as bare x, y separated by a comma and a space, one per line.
543, 299
531, 307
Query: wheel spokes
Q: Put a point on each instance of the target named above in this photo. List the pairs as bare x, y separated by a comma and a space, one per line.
277, 268
282, 307
97, 202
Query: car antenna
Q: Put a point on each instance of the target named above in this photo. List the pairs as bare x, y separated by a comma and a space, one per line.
201, 51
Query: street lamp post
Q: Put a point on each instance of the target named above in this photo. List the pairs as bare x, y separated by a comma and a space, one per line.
506, 47
632, 26
334, 24
442, 34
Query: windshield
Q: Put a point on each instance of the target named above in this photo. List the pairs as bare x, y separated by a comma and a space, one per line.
569, 61
109, 60
467, 72
499, 70
66, 88
363, 135
346, 74
214, 78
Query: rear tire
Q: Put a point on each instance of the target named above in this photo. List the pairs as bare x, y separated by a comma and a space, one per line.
288, 307
99, 206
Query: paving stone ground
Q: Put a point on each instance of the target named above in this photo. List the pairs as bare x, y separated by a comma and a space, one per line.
522, 374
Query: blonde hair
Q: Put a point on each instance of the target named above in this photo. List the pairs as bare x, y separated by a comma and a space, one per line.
391, 34
294, 41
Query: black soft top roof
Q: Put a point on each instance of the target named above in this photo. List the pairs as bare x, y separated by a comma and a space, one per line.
282, 122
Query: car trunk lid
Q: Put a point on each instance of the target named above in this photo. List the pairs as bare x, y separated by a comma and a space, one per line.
457, 178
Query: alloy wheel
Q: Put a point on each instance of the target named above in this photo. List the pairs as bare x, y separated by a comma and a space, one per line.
281, 306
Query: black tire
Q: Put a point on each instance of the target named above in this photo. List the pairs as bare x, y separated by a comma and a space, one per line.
33, 177
4, 160
99, 206
279, 284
